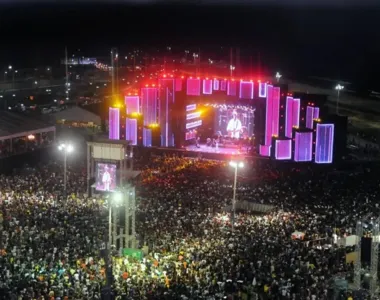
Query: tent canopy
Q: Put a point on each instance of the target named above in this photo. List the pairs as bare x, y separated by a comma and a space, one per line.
77, 114
14, 125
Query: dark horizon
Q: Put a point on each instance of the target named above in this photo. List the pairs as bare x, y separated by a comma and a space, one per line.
327, 42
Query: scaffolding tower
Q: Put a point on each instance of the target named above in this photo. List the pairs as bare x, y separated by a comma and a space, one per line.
374, 258
358, 261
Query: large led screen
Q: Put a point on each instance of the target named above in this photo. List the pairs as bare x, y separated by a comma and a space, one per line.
106, 177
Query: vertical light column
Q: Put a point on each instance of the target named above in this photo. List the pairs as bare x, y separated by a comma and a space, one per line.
147, 137
276, 111
231, 88
289, 117
114, 123
223, 85
324, 143
309, 117
316, 113
303, 146
293, 107
131, 130
216, 84
149, 105
167, 98
296, 112
246, 90
269, 116
207, 86
262, 89
132, 104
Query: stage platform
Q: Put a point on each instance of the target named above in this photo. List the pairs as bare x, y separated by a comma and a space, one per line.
219, 150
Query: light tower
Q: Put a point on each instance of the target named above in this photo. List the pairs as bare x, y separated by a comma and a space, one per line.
114, 71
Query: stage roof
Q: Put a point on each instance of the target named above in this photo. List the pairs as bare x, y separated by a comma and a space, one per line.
13, 125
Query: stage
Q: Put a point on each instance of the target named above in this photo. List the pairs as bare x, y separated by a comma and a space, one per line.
218, 150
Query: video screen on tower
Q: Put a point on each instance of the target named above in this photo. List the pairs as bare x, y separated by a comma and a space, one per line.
106, 179
219, 128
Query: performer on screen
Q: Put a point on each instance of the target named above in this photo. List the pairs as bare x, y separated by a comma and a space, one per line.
106, 180
234, 126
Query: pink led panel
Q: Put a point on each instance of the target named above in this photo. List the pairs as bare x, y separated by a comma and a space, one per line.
303, 146
296, 112
149, 105
292, 115
269, 116
231, 88
114, 124
309, 117
178, 84
283, 149
132, 104
223, 85
264, 150
246, 90
193, 87
207, 86
262, 89
316, 113
131, 130
216, 84
276, 111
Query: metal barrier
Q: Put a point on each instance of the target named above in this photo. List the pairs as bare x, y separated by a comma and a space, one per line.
250, 206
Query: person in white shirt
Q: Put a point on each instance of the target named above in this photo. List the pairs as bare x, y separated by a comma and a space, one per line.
234, 126
106, 180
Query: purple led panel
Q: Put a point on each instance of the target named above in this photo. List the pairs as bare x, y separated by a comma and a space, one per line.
193, 87
207, 86
316, 113
303, 148
231, 88
216, 84
132, 104
131, 130
296, 112
147, 137
149, 105
269, 116
276, 111
223, 85
262, 89
114, 123
289, 117
324, 143
309, 117
264, 150
246, 90
283, 149
178, 84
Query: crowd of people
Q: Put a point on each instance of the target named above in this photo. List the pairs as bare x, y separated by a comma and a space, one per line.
50, 244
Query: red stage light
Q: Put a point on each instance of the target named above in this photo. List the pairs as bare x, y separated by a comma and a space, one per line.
250, 80
153, 85
259, 80
182, 77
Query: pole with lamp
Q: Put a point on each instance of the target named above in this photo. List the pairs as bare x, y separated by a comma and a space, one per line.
235, 165
338, 88
114, 200
66, 149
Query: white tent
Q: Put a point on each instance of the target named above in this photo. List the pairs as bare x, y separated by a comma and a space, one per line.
77, 114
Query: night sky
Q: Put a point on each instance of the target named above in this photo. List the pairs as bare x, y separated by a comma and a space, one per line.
338, 41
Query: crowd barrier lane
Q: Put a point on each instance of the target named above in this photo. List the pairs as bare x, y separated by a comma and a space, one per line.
250, 206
